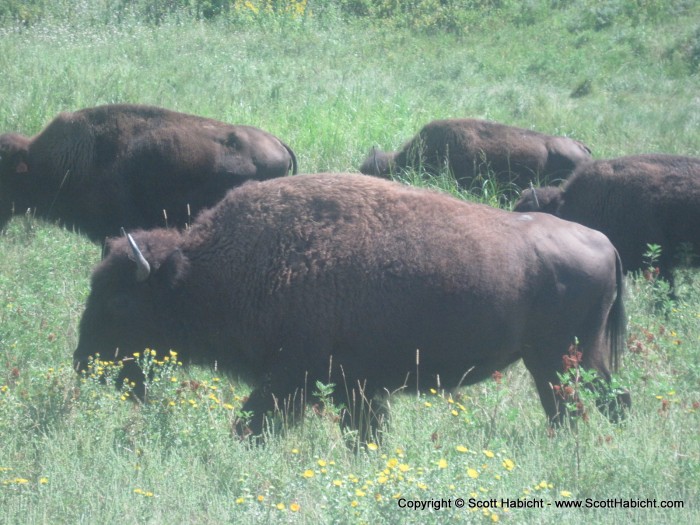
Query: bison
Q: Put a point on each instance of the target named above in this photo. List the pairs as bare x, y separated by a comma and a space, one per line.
635, 201
344, 278
471, 147
99, 169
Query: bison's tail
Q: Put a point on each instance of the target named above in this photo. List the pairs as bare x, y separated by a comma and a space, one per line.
295, 167
617, 319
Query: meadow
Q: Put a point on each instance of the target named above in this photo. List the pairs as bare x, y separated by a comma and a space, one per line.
333, 79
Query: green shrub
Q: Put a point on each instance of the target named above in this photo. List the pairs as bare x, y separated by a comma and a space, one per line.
23, 11
686, 52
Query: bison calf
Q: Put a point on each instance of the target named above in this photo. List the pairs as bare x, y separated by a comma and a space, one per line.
470, 147
635, 201
341, 278
103, 168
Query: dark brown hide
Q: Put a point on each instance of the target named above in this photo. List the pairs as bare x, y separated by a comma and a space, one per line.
287, 277
470, 147
103, 168
635, 201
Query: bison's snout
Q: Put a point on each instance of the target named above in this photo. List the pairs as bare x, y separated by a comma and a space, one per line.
81, 360
129, 374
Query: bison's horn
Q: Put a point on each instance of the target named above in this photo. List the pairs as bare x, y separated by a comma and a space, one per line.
534, 195
143, 269
374, 159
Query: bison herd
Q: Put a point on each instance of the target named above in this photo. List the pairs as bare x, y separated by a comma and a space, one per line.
348, 278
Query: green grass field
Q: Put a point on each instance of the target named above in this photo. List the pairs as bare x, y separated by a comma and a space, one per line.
620, 75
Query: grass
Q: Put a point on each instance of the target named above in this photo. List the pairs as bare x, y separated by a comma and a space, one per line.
332, 85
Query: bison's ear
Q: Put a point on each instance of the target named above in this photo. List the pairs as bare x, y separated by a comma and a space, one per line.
174, 268
550, 199
19, 161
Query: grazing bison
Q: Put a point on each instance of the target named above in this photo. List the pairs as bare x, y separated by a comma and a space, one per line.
471, 147
635, 201
342, 278
103, 168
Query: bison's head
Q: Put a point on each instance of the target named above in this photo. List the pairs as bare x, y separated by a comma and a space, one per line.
13, 166
378, 163
133, 301
564, 155
547, 200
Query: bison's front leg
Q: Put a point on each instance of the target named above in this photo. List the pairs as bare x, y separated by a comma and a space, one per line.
132, 374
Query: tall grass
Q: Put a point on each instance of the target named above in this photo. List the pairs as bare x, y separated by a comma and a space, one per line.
619, 75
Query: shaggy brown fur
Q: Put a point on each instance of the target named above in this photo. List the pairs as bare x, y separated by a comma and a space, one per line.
470, 147
100, 169
635, 201
340, 278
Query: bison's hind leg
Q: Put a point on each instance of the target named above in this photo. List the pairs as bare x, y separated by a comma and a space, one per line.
613, 403
544, 372
562, 398
265, 412
364, 416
